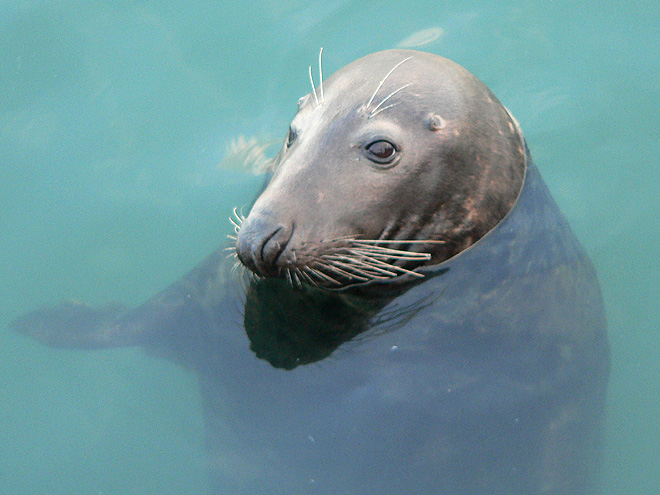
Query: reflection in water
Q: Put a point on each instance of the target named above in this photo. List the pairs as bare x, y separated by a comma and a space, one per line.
487, 376
292, 326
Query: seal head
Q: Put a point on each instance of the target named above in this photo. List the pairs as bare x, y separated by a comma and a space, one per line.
403, 159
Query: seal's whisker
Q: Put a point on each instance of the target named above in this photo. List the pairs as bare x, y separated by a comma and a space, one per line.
237, 221
321, 75
384, 250
346, 257
303, 275
390, 256
382, 110
375, 110
380, 84
319, 274
364, 263
235, 267
232, 237
381, 255
240, 215
401, 241
294, 276
394, 267
288, 276
342, 265
231, 255
325, 266
328, 265
311, 79
350, 238
388, 251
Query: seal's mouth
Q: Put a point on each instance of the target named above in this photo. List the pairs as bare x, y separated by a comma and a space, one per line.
329, 264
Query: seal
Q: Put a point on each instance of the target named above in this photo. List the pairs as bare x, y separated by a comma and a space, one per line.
404, 154
416, 315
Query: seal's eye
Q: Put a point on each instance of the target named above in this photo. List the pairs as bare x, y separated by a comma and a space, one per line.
291, 137
381, 151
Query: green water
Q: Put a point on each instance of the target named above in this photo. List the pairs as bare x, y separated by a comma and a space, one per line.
115, 116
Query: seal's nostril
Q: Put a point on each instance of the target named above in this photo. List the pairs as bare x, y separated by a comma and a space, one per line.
260, 245
271, 249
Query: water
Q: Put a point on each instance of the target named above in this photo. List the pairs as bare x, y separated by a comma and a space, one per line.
114, 117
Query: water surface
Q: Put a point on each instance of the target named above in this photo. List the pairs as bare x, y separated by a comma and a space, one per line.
116, 115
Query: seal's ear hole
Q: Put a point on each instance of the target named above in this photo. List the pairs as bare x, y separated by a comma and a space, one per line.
435, 122
381, 151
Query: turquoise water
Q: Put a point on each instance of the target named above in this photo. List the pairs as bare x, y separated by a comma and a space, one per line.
115, 118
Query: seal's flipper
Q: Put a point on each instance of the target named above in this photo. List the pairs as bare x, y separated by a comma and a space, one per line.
189, 305
75, 325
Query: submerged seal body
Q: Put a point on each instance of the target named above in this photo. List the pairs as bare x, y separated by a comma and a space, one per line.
423, 320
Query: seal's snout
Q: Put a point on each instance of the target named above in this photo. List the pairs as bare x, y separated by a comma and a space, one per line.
260, 244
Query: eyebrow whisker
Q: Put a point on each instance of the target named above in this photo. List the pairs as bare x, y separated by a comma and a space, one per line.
311, 79
376, 111
380, 84
321, 76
